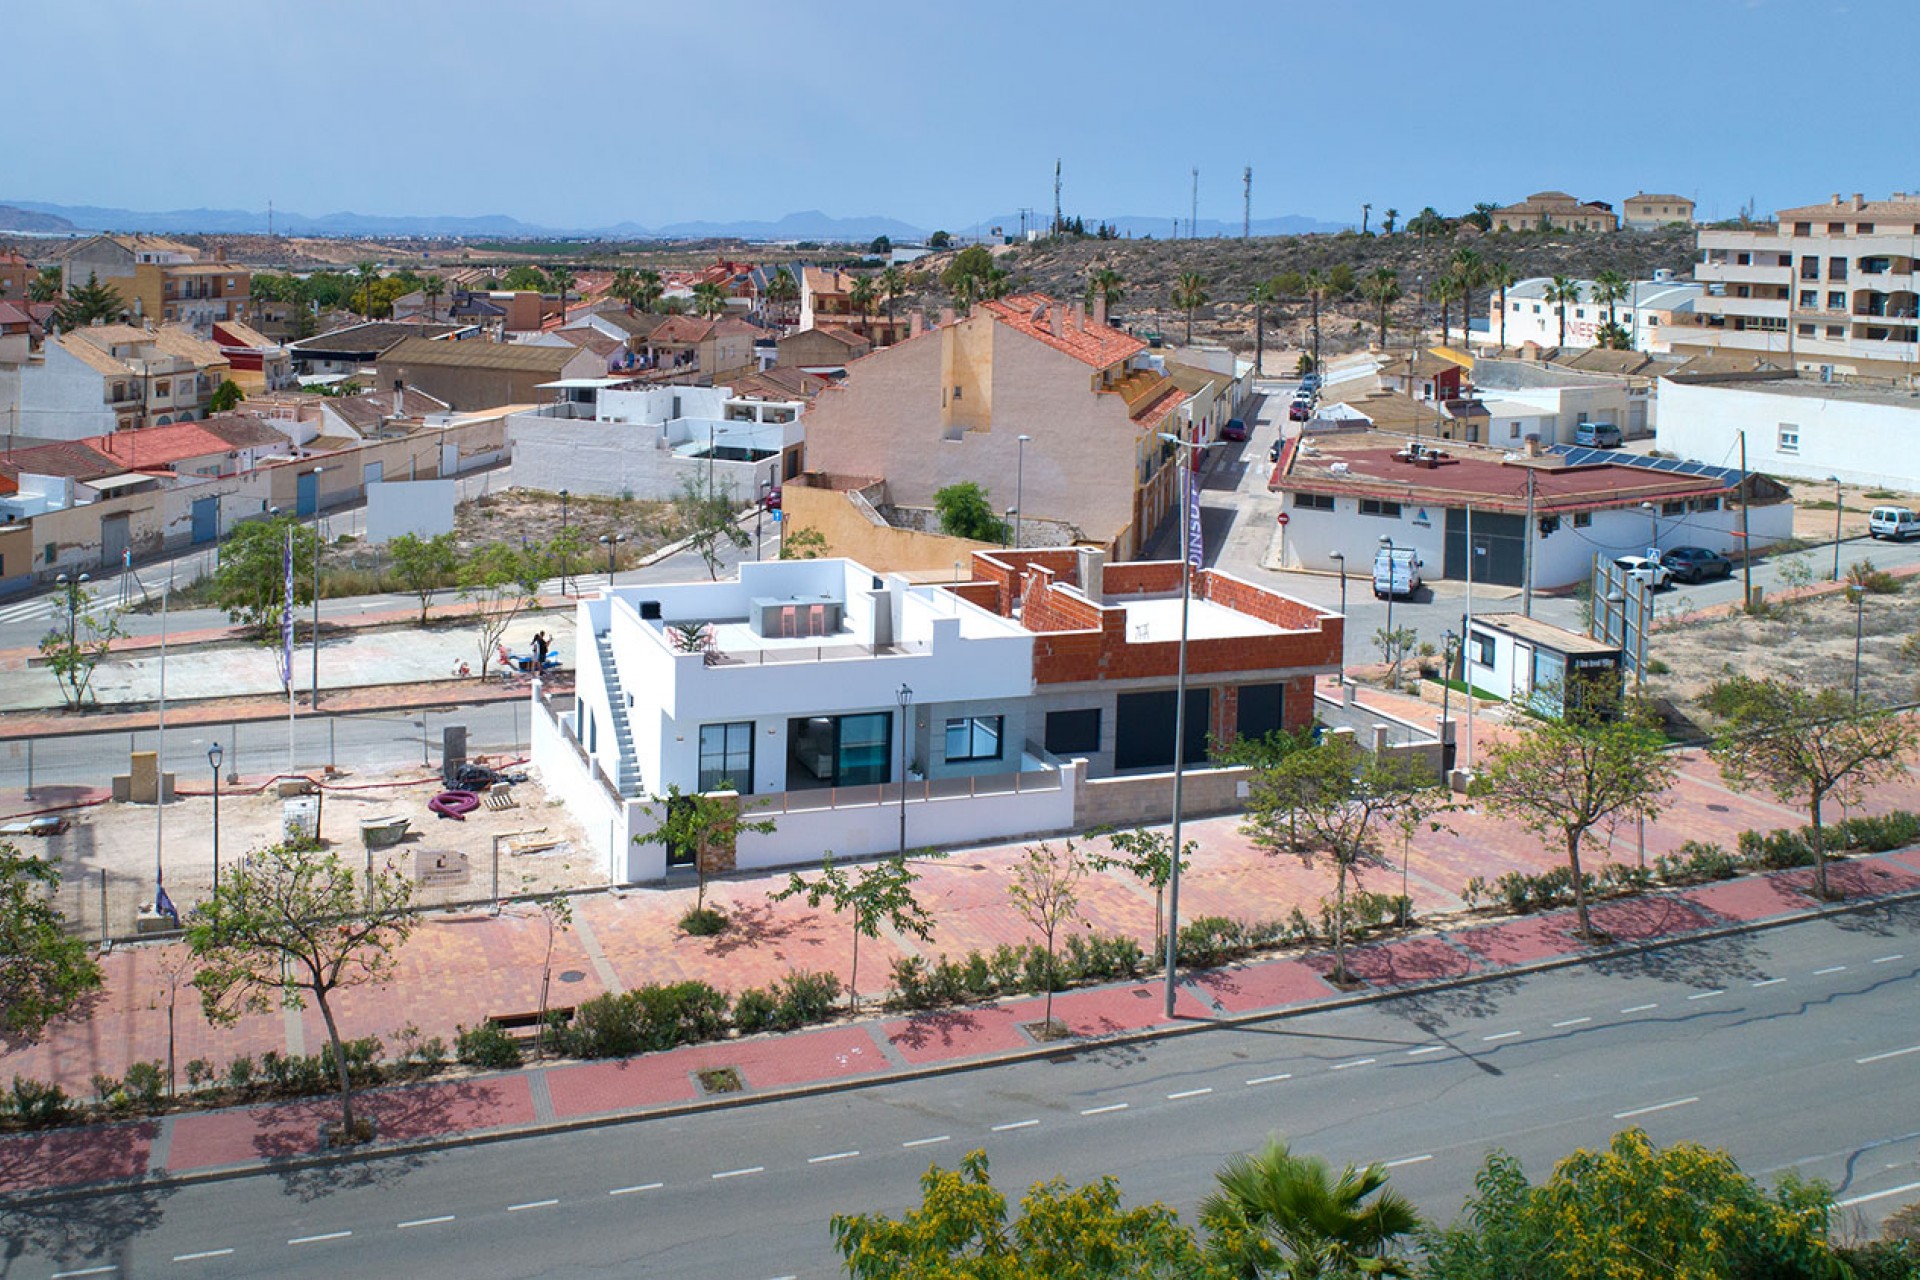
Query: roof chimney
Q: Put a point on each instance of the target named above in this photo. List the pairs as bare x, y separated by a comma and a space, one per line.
1079, 315
946, 315
1053, 319
1859, 200
1100, 309
399, 398
916, 323
1836, 199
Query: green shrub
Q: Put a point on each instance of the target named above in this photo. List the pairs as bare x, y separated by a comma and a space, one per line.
486, 1046
146, 1084
607, 1026
294, 1074
105, 1087
1207, 941
199, 1072
1618, 877
680, 1013
703, 922
754, 1011
1871, 833
807, 998
33, 1105
1039, 971
1006, 964
363, 1061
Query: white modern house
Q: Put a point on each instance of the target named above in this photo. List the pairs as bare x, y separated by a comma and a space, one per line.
1796, 426
1651, 312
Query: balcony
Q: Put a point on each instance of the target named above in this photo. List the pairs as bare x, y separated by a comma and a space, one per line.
1706, 272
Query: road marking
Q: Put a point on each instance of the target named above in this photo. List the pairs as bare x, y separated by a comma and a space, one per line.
331, 1235
1017, 1124
1658, 1106
1851, 1201
838, 1155
1572, 1022
205, 1253
1426, 1048
740, 1173
1891, 1053
1187, 1093
1504, 1035
627, 1191
90, 1271
1832, 968
1284, 1075
1100, 1111
927, 1142
1769, 982
1707, 995
1641, 1008
1890, 959
1395, 1164
426, 1222
1357, 1062
531, 1204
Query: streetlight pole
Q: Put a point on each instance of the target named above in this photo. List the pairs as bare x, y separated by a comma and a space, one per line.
905, 699
610, 541
1393, 672
1340, 560
1019, 485
1859, 622
566, 561
1653, 527
1171, 942
1446, 700
213, 759
316, 585
1835, 480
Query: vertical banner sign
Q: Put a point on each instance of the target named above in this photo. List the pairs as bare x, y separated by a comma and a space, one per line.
1194, 550
286, 618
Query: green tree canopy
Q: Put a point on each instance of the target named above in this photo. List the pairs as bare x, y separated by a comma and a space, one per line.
250, 582
966, 513
90, 302
703, 511
225, 396
878, 894
424, 565
1279, 1214
45, 973
499, 580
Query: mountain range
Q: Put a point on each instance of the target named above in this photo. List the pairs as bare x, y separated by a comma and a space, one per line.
43, 218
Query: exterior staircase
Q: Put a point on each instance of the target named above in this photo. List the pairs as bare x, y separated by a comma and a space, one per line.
626, 773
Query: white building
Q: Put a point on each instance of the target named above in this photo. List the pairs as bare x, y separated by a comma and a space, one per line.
1526, 660
1796, 427
1651, 313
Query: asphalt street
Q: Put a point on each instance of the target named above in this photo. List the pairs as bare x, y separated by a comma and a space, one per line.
1793, 1048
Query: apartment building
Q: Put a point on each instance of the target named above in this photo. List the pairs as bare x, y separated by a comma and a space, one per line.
111, 377
16, 276
1828, 289
162, 280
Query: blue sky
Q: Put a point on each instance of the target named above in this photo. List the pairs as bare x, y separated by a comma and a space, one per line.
585, 112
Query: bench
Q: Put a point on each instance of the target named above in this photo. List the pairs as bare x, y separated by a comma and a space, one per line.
525, 1027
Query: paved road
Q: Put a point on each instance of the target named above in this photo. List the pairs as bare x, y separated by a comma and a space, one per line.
1793, 1048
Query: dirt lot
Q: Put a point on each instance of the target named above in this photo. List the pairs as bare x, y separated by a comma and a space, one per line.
523, 513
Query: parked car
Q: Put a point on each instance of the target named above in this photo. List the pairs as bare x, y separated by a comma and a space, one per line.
773, 498
1598, 435
1309, 382
1300, 411
1396, 572
1235, 430
1898, 523
1695, 564
1641, 569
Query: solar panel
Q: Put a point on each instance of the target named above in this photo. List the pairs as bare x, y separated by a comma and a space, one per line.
1581, 456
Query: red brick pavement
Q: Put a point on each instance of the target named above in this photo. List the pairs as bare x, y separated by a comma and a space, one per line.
68, 1157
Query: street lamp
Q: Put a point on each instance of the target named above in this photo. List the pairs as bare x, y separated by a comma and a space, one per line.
1187, 549
1447, 642
1339, 558
566, 560
1007, 521
213, 760
1653, 528
1393, 674
905, 699
1835, 482
1019, 484
610, 541
1859, 593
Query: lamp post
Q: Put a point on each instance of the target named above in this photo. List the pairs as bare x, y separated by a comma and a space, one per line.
1019, 484
1339, 559
610, 541
566, 561
1447, 641
213, 760
1007, 521
316, 585
1835, 482
1393, 672
1653, 528
905, 699
1171, 942
1859, 592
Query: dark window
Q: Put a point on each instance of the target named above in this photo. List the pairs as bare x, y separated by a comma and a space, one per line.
974, 738
1673, 508
1313, 501
1143, 730
1073, 732
726, 757
1480, 648
1261, 710
1376, 507
1582, 519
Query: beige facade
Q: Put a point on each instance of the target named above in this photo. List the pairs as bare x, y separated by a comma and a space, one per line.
1557, 211
1828, 288
853, 529
1643, 212
477, 374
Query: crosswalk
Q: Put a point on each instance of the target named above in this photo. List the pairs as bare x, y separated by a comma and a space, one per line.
49, 607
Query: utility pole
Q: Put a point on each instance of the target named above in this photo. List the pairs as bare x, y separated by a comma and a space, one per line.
1246, 203
1746, 547
1193, 209
1057, 216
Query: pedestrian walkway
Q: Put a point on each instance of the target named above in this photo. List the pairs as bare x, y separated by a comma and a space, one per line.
461, 968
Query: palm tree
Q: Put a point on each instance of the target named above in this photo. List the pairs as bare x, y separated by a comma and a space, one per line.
1561, 291
860, 296
1382, 289
1609, 287
1393, 216
562, 280
368, 273
1262, 295
1501, 276
893, 283
431, 288
1106, 282
45, 286
783, 288
1469, 269
1366, 211
1277, 1207
647, 289
1314, 284
708, 301
1190, 294
1445, 291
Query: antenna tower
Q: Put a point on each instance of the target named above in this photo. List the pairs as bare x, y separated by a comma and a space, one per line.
1193, 209
1246, 205
1058, 221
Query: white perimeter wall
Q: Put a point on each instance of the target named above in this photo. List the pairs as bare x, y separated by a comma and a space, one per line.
1859, 442
423, 508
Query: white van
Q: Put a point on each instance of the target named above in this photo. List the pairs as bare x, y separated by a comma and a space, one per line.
1898, 523
1396, 572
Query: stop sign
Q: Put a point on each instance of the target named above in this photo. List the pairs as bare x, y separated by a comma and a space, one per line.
1284, 517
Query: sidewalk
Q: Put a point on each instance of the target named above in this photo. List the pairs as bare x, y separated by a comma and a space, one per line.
462, 968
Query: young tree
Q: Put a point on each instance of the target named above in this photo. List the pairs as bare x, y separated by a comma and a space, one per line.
707, 825
1279, 1214
704, 513
1804, 745
1394, 647
72, 652
1046, 892
1189, 295
225, 396
965, 512
1147, 856
499, 580
290, 923
556, 913
44, 971
880, 893
90, 302
1332, 799
1601, 760
803, 543
424, 565
251, 580
564, 555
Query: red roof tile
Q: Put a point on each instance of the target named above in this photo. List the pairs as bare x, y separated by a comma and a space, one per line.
1098, 345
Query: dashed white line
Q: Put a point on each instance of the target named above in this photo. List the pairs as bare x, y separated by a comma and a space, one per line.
1891, 1053
532, 1204
838, 1155
331, 1235
1832, 968
1851, 1201
204, 1253
1100, 1111
927, 1142
1425, 1049
1357, 1062
1769, 982
1889, 959
1658, 1106
1016, 1124
1187, 1093
1396, 1164
740, 1173
425, 1222
109, 1269
1641, 1008
1284, 1075
1573, 1022
1504, 1035
628, 1191
1707, 995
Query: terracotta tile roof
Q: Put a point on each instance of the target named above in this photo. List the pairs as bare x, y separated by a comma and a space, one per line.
601, 344
363, 412
844, 336
158, 446
243, 430
94, 357
176, 341
826, 280
1098, 345
681, 329
780, 384
477, 353
1902, 205
10, 314
1155, 411
74, 459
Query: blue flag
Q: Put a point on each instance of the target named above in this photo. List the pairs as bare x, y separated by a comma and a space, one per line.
163, 905
286, 619
1195, 550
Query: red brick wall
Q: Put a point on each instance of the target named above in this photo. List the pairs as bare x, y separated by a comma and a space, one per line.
1142, 578
1244, 597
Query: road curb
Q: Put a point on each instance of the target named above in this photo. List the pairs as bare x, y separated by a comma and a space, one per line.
1185, 1027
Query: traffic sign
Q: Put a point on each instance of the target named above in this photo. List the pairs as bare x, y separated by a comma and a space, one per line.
1284, 517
